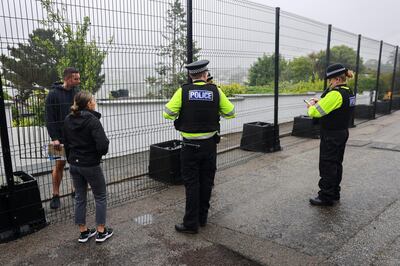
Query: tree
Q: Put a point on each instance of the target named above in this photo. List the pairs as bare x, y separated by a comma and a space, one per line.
171, 72
83, 55
339, 54
300, 69
33, 63
262, 72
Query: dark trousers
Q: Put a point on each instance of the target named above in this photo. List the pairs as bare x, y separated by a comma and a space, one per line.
93, 175
333, 143
198, 166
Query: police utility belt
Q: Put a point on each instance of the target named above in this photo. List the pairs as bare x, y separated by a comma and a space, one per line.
197, 142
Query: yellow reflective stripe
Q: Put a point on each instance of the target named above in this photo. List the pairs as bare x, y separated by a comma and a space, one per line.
205, 135
169, 112
231, 113
175, 103
319, 109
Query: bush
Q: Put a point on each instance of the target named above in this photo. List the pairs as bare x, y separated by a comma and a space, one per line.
303, 87
233, 88
33, 110
266, 89
6, 96
365, 83
288, 87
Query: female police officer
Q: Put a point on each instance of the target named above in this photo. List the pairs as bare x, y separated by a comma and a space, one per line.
335, 111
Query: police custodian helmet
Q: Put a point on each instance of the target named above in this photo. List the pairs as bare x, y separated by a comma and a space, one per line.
335, 70
197, 67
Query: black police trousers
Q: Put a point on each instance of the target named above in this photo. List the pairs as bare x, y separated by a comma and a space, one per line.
333, 143
198, 166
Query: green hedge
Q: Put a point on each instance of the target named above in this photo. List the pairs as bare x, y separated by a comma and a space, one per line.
365, 83
284, 87
233, 88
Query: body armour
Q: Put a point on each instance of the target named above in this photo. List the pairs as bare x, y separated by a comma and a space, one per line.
200, 109
340, 118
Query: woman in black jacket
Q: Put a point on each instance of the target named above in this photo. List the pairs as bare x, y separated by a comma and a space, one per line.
85, 144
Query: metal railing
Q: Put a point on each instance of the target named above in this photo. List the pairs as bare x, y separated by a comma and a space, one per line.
145, 45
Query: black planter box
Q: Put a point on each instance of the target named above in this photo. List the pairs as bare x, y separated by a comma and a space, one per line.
364, 111
396, 103
120, 93
21, 209
306, 127
382, 107
165, 164
259, 136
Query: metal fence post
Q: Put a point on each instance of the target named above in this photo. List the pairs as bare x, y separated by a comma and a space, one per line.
393, 78
189, 36
5, 143
357, 70
277, 145
378, 74
328, 53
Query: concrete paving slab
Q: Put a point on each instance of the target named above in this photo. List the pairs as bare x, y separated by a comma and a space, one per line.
260, 215
370, 241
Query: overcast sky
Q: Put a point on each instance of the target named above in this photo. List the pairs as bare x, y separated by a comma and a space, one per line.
379, 20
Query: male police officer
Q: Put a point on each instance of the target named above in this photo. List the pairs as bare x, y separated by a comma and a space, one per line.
334, 110
197, 108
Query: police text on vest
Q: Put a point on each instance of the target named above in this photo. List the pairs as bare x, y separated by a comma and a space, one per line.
200, 95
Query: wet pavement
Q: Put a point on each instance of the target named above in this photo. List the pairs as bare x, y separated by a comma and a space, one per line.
260, 215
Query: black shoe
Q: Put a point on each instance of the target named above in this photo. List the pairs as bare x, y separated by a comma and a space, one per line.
101, 237
84, 237
181, 228
203, 222
55, 202
318, 202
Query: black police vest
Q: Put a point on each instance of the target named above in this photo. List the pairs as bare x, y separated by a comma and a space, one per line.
200, 109
340, 118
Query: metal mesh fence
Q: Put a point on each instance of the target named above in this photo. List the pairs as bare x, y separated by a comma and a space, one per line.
131, 55
396, 84
302, 48
233, 35
369, 56
385, 79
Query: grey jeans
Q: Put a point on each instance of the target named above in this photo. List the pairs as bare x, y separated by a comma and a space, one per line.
93, 175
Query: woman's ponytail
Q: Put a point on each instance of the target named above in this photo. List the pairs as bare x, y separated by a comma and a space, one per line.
349, 74
81, 101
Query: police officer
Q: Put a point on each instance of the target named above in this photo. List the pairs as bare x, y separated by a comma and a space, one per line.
335, 110
196, 109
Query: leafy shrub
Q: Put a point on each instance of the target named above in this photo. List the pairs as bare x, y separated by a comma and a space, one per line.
288, 87
265, 89
303, 87
233, 88
365, 83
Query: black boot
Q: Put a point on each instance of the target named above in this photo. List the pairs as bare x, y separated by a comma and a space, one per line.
181, 228
319, 202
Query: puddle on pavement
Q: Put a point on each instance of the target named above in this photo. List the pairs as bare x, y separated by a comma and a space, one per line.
144, 219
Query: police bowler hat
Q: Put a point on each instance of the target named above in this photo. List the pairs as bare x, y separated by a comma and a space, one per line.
197, 67
335, 70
